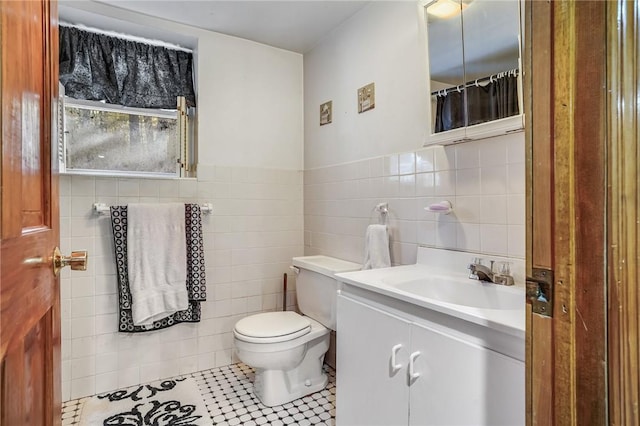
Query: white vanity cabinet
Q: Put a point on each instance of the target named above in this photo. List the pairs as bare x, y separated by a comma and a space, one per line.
371, 392
398, 368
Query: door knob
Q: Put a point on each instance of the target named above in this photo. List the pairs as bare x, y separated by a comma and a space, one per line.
77, 261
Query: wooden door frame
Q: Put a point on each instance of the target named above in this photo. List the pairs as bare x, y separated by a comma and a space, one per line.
565, 68
623, 44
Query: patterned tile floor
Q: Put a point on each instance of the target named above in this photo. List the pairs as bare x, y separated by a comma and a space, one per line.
227, 393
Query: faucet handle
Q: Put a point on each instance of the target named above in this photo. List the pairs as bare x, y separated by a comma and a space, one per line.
505, 268
474, 262
504, 276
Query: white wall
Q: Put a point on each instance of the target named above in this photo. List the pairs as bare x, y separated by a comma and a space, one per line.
250, 104
360, 160
484, 180
381, 44
249, 240
250, 168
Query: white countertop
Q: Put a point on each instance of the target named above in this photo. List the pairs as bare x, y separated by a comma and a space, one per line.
382, 281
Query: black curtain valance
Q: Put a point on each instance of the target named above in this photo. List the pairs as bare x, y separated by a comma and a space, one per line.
123, 72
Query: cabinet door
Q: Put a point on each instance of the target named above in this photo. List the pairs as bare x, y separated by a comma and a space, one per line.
463, 384
368, 390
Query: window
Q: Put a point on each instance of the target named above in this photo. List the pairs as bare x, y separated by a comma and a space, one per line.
129, 106
101, 138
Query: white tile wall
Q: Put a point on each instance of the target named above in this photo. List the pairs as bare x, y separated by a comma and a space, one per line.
484, 180
255, 230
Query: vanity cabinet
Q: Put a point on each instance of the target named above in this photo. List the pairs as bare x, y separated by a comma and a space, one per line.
370, 391
397, 369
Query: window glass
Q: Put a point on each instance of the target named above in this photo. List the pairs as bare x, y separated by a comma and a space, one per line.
104, 139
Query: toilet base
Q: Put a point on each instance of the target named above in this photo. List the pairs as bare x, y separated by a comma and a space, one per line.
287, 370
277, 387
272, 387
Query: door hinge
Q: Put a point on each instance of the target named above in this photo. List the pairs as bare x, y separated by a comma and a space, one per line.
540, 291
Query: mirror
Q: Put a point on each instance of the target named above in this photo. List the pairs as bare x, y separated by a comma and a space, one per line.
474, 57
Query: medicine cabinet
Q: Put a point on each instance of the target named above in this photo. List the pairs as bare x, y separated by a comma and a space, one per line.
474, 63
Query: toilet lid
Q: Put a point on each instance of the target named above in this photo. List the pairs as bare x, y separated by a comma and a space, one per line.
271, 327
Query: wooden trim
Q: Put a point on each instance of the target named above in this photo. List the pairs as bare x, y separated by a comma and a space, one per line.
590, 219
542, 374
53, 371
566, 353
579, 182
623, 43
541, 134
527, 91
538, 128
527, 104
564, 96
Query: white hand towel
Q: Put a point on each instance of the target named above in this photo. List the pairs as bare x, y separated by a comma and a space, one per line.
157, 261
376, 247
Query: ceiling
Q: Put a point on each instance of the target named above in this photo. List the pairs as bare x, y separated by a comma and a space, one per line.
295, 25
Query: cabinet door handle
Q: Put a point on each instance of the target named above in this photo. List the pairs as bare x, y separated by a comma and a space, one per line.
395, 367
413, 376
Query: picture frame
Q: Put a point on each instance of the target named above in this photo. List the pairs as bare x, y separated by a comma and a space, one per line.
326, 113
366, 98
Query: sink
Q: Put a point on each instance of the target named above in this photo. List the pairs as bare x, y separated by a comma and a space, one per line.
475, 294
439, 284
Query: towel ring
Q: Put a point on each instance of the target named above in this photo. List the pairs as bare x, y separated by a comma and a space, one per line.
383, 209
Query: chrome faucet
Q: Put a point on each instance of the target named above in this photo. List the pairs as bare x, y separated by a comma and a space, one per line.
480, 272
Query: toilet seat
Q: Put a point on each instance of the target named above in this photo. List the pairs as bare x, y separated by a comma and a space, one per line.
272, 327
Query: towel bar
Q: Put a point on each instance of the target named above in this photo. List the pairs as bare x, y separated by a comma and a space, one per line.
101, 209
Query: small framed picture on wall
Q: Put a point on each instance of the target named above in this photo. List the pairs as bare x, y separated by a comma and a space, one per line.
325, 113
366, 98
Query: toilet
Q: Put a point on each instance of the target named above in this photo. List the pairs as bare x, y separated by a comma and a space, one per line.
287, 349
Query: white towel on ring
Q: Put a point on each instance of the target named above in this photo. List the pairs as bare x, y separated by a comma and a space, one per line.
376, 247
157, 261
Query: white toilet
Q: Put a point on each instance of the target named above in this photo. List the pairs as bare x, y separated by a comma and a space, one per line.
287, 349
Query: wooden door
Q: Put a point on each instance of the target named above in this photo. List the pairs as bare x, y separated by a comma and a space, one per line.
565, 74
30, 391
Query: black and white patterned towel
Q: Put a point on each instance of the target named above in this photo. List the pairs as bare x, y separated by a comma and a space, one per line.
196, 285
196, 278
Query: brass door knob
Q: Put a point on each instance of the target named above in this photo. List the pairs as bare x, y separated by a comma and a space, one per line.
77, 261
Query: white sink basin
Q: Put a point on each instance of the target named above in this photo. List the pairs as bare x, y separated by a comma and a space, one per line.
439, 283
475, 294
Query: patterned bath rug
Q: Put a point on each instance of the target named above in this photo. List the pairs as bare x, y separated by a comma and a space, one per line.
172, 402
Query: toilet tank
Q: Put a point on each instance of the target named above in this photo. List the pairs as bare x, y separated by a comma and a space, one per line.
316, 286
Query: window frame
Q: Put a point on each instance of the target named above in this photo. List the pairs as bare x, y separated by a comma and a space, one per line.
185, 138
